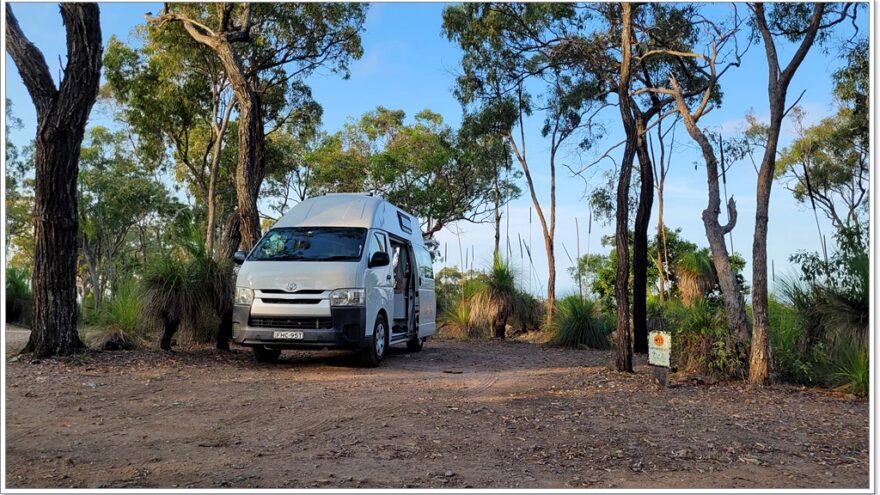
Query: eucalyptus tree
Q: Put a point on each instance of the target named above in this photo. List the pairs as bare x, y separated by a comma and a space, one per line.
513, 51
803, 25
828, 164
721, 53
440, 175
62, 113
264, 48
175, 95
118, 202
652, 36
289, 148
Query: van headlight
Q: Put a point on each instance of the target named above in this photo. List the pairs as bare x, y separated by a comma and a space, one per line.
244, 295
347, 297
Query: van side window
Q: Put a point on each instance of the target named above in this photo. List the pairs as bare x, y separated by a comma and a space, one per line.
423, 258
377, 244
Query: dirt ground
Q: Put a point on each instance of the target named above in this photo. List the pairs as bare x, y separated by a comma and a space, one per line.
495, 414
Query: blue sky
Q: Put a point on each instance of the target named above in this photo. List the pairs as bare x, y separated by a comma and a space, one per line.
409, 65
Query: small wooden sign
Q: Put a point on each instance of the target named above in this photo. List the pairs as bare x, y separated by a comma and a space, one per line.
659, 350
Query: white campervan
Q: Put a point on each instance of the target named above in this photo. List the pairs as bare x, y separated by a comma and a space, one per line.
337, 271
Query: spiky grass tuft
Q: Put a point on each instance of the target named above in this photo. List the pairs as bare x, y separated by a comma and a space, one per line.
577, 322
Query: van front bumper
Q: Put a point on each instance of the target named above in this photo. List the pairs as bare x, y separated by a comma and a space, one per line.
344, 329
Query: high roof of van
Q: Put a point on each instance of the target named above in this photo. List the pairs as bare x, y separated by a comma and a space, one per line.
352, 210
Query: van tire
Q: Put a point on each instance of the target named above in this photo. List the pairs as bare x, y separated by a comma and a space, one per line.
415, 344
373, 355
263, 354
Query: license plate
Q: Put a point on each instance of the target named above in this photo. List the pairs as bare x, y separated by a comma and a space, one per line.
287, 335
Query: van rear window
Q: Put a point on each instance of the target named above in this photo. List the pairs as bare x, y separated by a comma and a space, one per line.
311, 244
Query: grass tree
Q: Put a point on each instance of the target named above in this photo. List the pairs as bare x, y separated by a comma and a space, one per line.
578, 321
181, 287
494, 303
695, 275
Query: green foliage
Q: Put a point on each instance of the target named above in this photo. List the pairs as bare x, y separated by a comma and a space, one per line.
453, 286
797, 353
494, 303
117, 323
455, 322
121, 209
689, 275
18, 291
185, 286
424, 167
700, 340
852, 368
528, 312
577, 322
18, 283
820, 329
827, 166
19, 196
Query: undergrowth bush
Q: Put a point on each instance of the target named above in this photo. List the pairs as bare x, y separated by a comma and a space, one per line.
578, 321
528, 312
117, 323
18, 290
700, 340
819, 334
455, 323
851, 368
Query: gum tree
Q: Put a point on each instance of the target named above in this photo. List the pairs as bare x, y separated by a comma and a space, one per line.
804, 25
62, 113
263, 48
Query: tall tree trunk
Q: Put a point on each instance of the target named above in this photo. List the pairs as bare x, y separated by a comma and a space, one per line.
497, 198
546, 231
661, 241
228, 246
92, 267
640, 241
61, 119
231, 239
759, 357
217, 148
731, 292
250, 169
777, 90
250, 164
621, 233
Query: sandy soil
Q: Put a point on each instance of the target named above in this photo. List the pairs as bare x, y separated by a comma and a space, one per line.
455, 415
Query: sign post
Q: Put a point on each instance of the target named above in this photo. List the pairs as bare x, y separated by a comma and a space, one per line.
659, 349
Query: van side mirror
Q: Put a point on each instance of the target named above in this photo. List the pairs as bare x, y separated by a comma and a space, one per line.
239, 257
379, 258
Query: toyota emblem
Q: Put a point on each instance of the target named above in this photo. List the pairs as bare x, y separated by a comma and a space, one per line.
291, 286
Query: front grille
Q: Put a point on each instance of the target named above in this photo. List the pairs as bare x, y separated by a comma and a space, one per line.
298, 323
268, 300
301, 291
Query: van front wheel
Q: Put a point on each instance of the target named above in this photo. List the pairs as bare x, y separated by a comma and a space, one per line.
263, 354
373, 355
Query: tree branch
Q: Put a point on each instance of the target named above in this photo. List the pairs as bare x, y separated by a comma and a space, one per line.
31, 64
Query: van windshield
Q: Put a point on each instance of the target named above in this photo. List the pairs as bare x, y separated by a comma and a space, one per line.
311, 244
